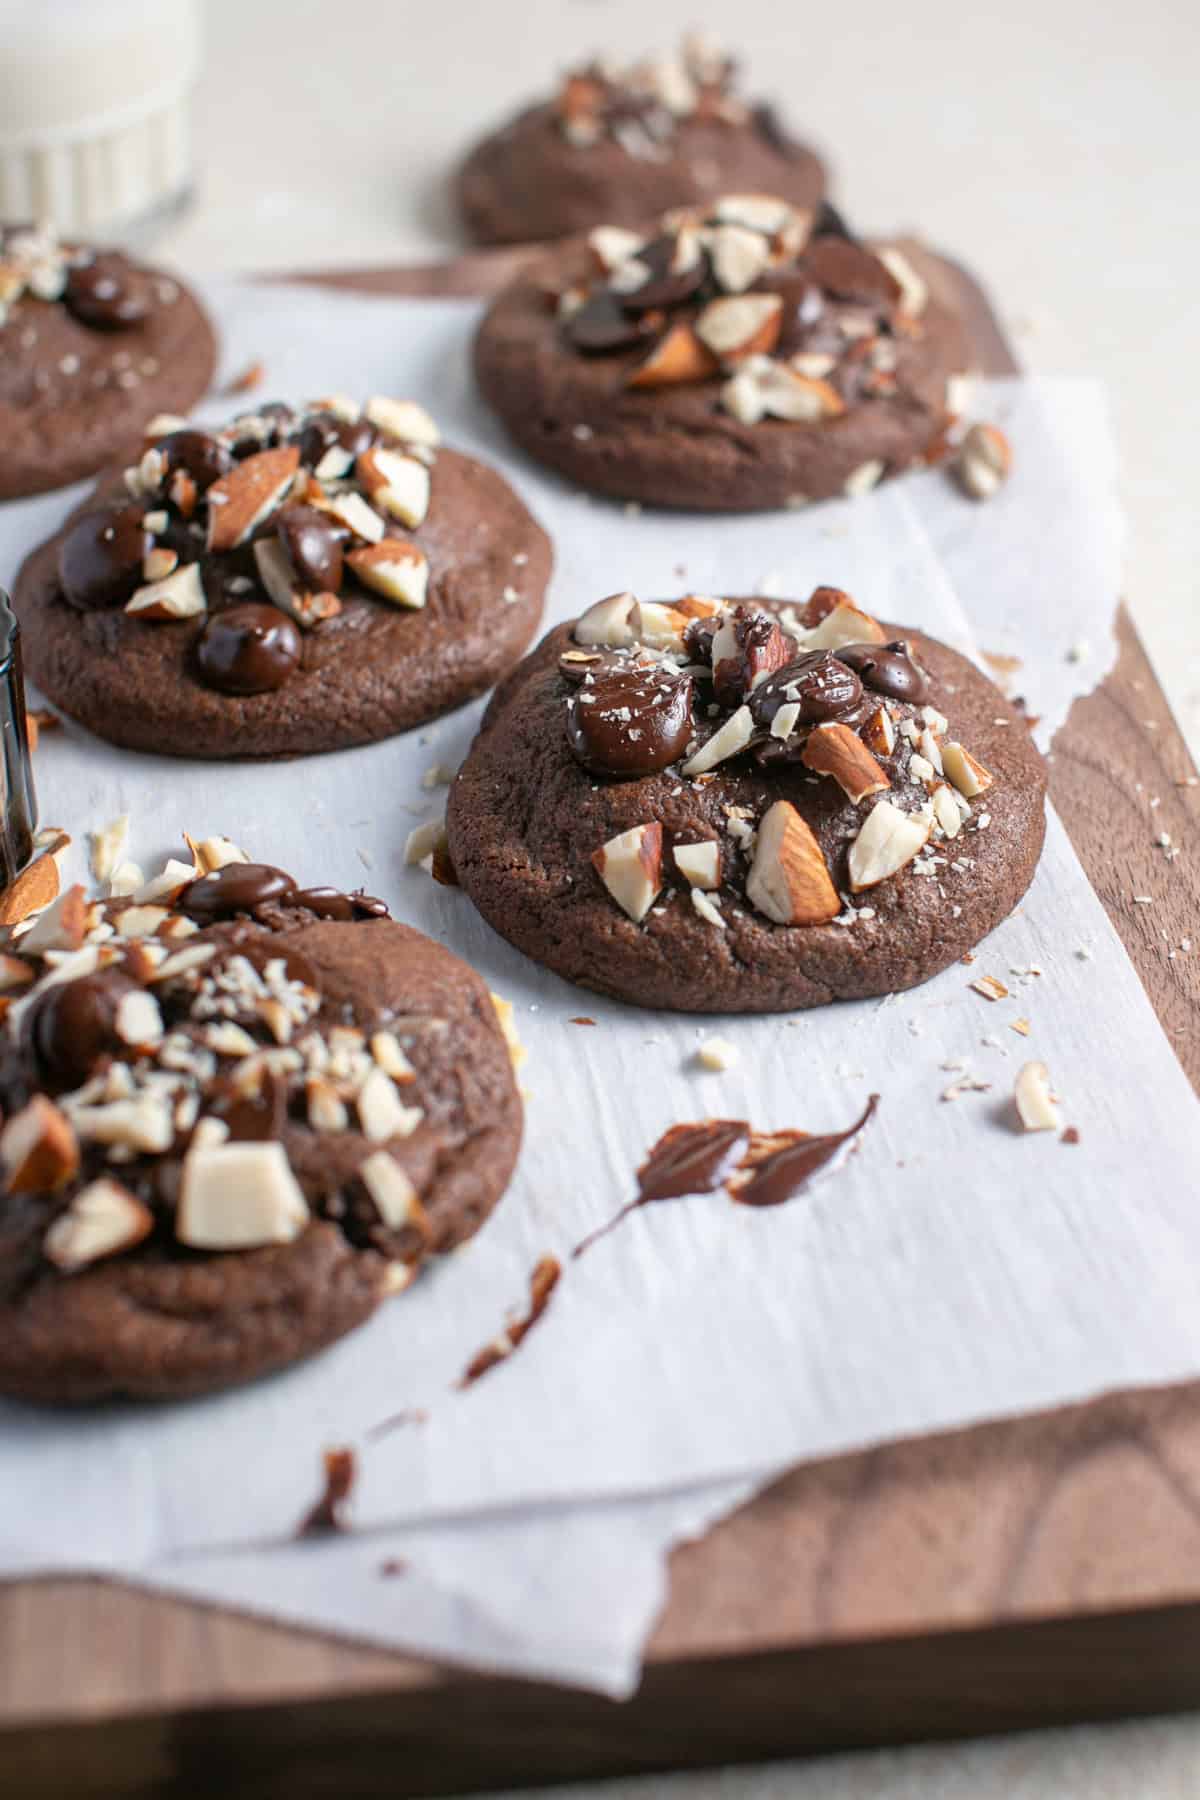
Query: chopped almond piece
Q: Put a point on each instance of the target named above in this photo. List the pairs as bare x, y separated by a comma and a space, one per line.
679, 356
788, 880
836, 750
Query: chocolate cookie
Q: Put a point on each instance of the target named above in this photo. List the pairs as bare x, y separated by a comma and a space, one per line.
746, 806
237, 1115
743, 356
91, 346
302, 580
624, 144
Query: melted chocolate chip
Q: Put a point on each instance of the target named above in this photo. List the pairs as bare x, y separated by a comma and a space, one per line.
602, 324
237, 888
698, 637
851, 272
887, 669
74, 1025
325, 431
781, 1174
313, 543
330, 903
821, 685
665, 286
202, 457
248, 649
100, 559
632, 722
106, 294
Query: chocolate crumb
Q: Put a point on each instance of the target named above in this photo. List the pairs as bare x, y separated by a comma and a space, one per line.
395, 1565
1070, 1135
582, 1020
325, 1516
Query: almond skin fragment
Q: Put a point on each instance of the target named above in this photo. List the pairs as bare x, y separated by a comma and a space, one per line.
788, 880
36, 886
879, 733
837, 751
679, 356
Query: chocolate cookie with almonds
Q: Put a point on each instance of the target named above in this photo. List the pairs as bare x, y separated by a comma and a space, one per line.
302, 580
743, 355
622, 144
91, 345
237, 1115
746, 806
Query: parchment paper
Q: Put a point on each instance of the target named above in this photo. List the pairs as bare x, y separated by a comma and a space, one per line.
951, 1269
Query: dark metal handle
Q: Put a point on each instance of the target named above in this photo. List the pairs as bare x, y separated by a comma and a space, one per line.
17, 798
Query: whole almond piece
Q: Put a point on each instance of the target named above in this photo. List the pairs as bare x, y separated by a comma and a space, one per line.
837, 751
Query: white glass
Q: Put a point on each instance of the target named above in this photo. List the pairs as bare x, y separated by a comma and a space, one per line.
95, 113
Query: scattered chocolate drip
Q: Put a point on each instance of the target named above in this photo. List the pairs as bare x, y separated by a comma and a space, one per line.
394, 1565
755, 1168
341, 1469
687, 1159
542, 1284
581, 1020
777, 1167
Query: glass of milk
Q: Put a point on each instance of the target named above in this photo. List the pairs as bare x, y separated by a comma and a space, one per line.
95, 113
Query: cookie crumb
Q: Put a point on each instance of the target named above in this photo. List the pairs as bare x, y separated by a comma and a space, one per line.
716, 1054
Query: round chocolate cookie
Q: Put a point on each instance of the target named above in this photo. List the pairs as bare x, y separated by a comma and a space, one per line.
623, 144
735, 357
91, 346
236, 1118
302, 580
746, 806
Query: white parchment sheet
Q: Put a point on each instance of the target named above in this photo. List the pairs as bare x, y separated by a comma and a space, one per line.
950, 1269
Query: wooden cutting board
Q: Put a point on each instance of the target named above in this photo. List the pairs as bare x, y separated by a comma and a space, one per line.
1031, 1572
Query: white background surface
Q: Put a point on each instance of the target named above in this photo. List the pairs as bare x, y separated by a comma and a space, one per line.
1052, 146
1054, 152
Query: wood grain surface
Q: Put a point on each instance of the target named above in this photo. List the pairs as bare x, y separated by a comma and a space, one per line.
1042, 1569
